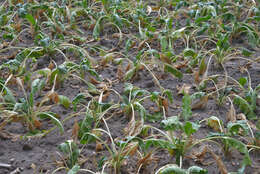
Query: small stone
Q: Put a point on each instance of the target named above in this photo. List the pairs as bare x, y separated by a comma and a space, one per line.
12, 160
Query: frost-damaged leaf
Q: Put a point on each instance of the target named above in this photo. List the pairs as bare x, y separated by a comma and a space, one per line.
196, 170
51, 116
235, 128
221, 165
170, 169
215, 123
65, 101
171, 123
169, 68
74, 169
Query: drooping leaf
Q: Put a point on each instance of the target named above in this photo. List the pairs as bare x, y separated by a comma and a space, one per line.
170, 169
51, 116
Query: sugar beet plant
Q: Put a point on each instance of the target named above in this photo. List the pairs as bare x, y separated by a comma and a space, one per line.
139, 80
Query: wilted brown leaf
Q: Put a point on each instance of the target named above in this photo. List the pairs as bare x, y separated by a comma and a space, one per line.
37, 124
241, 116
130, 149
201, 104
120, 73
165, 104
197, 78
231, 115
51, 65
165, 59
75, 131
184, 89
221, 166
94, 81
99, 147
214, 124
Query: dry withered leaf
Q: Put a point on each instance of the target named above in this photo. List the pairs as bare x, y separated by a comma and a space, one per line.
94, 81
128, 67
231, 115
214, 124
201, 104
199, 155
221, 166
241, 116
197, 78
184, 89
165, 104
37, 124
105, 96
75, 130
165, 59
51, 65
182, 64
141, 45
54, 97
130, 149
99, 147
120, 73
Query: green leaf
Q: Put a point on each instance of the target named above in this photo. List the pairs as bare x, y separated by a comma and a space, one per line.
186, 107
65, 101
31, 19
202, 67
169, 94
188, 52
76, 100
164, 144
241, 147
246, 52
245, 107
51, 116
74, 169
243, 81
169, 68
190, 128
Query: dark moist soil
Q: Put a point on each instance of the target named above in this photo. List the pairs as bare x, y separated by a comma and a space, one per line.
41, 155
